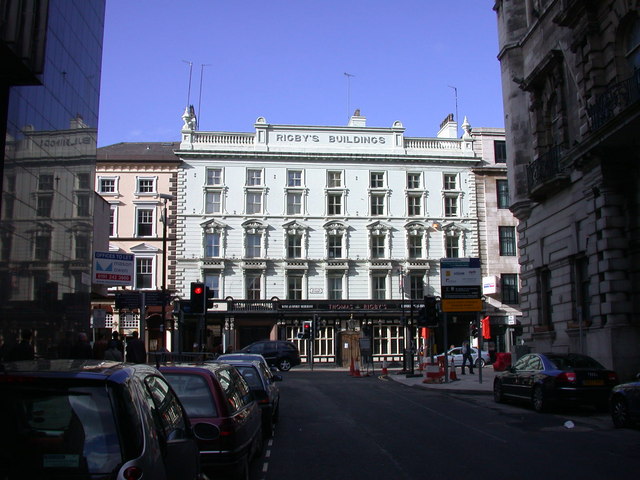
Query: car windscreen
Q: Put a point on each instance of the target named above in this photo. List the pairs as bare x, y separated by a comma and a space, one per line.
194, 393
66, 430
567, 362
251, 375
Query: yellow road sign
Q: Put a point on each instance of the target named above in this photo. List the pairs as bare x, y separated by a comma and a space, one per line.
461, 304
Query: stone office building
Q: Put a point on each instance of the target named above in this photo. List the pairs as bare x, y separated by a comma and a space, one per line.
345, 225
572, 106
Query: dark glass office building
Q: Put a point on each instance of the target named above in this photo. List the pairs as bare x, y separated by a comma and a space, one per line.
50, 61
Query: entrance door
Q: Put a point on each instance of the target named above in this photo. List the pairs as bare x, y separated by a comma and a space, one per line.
350, 348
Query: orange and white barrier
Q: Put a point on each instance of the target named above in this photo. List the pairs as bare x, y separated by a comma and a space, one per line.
385, 371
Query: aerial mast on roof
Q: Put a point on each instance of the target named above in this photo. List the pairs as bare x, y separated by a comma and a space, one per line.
189, 88
348, 75
200, 94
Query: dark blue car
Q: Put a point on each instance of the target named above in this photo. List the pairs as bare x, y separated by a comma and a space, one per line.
545, 379
625, 403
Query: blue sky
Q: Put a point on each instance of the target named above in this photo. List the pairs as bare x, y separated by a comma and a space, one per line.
286, 60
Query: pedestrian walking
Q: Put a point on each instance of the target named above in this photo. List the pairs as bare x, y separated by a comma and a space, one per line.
136, 351
466, 355
23, 350
82, 348
113, 352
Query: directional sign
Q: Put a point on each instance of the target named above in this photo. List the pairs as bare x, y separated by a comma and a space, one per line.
460, 272
461, 305
129, 300
113, 268
461, 292
155, 297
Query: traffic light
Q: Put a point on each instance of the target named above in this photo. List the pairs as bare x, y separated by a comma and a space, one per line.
429, 315
307, 329
473, 330
210, 295
197, 298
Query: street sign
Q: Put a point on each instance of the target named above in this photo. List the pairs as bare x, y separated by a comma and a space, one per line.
155, 298
460, 272
128, 300
461, 305
461, 291
113, 268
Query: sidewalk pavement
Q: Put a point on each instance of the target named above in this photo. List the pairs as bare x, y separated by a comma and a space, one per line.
464, 384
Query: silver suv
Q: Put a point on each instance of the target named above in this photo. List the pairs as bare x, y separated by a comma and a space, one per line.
90, 419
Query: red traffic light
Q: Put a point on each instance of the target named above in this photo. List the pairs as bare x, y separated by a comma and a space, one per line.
198, 290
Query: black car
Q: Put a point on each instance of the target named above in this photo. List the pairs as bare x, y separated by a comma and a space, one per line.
280, 353
625, 403
263, 385
90, 419
548, 378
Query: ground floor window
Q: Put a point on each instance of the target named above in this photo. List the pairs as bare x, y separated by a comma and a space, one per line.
388, 340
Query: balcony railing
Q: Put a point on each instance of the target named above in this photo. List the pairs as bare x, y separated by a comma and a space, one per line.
614, 100
545, 171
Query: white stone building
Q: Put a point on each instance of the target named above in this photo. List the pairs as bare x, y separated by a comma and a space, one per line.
344, 224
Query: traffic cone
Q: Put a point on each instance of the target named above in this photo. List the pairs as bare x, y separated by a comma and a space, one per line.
357, 371
384, 368
352, 369
452, 371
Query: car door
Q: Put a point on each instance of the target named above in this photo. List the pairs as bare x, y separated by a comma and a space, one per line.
511, 379
270, 352
180, 453
242, 408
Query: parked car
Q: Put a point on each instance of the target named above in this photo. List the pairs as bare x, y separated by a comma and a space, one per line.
263, 385
216, 395
91, 419
246, 357
280, 353
624, 403
548, 378
456, 355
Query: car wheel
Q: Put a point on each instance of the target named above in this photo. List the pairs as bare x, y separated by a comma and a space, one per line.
480, 363
284, 365
539, 399
619, 412
498, 394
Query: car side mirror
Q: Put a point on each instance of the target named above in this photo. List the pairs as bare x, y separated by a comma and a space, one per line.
277, 377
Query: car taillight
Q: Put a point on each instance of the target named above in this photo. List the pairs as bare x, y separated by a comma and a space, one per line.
613, 378
567, 377
133, 473
263, 401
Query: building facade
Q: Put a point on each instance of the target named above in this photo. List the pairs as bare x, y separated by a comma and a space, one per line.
139, 183
341, 225
49, 93
571, 97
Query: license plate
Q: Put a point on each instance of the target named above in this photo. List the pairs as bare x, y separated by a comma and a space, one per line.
593, 382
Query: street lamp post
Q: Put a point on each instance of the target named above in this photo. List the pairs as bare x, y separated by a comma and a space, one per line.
166, 197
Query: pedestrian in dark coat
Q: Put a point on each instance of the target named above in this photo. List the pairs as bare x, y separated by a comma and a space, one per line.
136, 351
82, 348
23, 350
466, 356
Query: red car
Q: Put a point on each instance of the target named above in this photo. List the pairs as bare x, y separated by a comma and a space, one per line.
217, 398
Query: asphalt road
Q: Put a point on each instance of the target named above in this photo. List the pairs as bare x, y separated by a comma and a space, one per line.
334, 426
